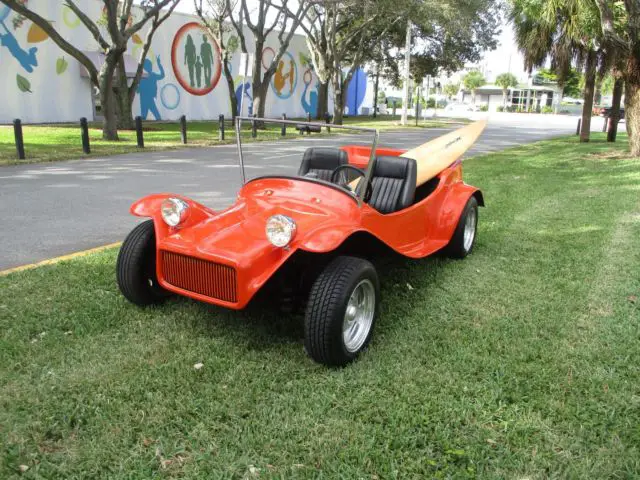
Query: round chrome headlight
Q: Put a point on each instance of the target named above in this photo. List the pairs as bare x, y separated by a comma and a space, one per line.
174, 211
280, 230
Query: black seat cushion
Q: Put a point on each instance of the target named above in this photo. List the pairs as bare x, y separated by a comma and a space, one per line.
394, 183
321, 162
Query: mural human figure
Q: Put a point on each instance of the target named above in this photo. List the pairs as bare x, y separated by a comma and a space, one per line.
206, 54
248, 96
198, 72
310, 107
27, 59
148, 89
280, 78
190, 58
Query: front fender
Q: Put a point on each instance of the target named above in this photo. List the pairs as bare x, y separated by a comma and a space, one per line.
149, 207
327, 238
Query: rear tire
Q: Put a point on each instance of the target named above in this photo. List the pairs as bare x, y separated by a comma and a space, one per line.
464, 236
341, 311
136, 267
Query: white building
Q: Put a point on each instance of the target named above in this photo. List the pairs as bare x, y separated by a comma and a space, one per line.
41, 83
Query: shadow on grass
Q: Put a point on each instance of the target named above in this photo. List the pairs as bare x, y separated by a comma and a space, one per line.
263, 326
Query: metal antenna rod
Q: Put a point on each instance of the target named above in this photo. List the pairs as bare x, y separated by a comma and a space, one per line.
239, 144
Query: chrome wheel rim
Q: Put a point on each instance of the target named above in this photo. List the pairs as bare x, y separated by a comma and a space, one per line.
470, 229
358, 316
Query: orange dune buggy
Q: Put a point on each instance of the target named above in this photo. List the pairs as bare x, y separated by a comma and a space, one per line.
305, 236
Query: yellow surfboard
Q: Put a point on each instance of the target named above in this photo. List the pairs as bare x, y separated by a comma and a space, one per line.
434, 156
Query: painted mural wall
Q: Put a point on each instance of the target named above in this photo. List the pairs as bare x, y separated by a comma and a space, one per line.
41, 83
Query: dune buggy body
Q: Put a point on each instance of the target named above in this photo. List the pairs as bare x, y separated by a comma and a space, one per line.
225, 258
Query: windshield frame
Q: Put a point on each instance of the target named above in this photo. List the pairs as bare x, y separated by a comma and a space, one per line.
367, 177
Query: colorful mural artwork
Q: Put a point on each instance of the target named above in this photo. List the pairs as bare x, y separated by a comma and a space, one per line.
69, 18
286, 77
311, 106
61, 65
187, 82
4, 13
170, 96
148, 89
195, 57
24, 85
356, 91
248, 97
27, 59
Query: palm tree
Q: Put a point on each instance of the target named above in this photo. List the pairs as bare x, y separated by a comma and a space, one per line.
473, 81
506, 81
562, 32
620, 26
451, 90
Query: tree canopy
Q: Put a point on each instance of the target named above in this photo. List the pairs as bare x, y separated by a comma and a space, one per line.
473, 80
506, 81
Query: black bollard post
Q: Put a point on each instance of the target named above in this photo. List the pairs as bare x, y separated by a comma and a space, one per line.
579, 125
17, 130
283, 130
254, 127
84, 128
221, 127
327, 119
139, 134
183, 129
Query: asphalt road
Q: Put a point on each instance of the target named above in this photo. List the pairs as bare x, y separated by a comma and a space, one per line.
60, 208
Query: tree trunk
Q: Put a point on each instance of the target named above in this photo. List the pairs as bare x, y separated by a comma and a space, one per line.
375, 93
323, 100
259, 96
589, 91
259, 86
124, 110
632, 113
612, 131
110, 123
338, 98
597, 99
232, 89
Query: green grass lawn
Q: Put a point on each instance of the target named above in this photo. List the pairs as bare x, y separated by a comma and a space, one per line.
47, 143
522, 361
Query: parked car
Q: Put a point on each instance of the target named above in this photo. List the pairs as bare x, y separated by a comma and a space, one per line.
306, 238
461, 108
606, 112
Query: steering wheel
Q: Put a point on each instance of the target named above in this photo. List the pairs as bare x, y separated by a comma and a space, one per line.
359, 171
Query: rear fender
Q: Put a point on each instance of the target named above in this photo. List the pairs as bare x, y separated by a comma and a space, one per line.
457, 198
149, 207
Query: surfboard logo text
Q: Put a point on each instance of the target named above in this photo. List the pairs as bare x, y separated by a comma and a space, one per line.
452, 142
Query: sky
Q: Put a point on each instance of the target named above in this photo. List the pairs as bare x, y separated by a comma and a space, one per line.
506, 58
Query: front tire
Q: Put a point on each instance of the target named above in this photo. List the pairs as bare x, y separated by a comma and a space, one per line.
341, 311
464, 236
136, 267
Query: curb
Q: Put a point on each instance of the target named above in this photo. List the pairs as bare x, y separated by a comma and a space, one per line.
55, 260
